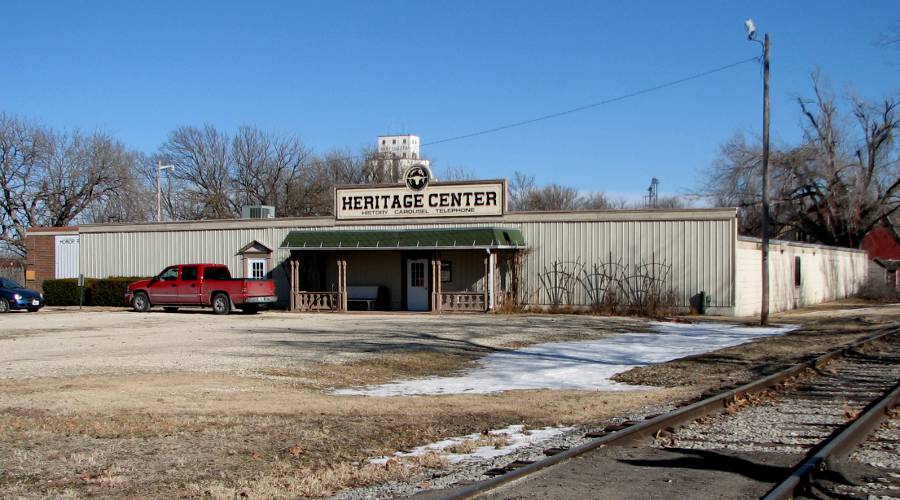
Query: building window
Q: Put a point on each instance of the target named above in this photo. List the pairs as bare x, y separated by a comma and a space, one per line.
446, 271
418, 274
382, 142
798, 277
257, 268
393, 141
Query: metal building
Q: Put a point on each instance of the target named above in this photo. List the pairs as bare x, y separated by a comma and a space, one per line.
450, 254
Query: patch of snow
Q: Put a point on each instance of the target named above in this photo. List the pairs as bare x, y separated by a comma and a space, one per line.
579, 365
516, 435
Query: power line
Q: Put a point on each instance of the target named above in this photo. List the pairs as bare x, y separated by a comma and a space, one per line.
622, 97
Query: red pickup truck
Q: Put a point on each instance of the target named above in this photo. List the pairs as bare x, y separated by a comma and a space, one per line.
205, 285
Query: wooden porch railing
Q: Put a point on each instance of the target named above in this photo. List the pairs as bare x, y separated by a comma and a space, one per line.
462, 301
316, 301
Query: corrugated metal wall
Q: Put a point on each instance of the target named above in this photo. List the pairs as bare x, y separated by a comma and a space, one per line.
699, 252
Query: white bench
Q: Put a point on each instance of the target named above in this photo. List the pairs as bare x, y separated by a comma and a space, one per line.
367, 295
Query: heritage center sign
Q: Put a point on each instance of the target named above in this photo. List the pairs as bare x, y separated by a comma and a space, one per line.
418, 199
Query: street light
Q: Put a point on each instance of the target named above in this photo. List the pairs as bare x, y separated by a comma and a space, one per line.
764, 307
159, 168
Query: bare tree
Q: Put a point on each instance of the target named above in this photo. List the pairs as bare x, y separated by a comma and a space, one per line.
50, 178
313, 193
265, 166
520, 189
830, 188
381, 168
130, 201
457, 173
601, 201
203, 164
553, 197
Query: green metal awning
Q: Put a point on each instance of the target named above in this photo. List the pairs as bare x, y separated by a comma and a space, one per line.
410, 239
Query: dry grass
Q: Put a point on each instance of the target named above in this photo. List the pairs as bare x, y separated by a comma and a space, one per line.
376, 370
19, 424
223, 448
291, 483
495, 441
464, 447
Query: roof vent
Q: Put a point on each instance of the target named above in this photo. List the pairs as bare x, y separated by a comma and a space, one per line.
258, 212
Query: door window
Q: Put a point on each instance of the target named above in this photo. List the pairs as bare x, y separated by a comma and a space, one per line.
417, 274
169, 274
189, 273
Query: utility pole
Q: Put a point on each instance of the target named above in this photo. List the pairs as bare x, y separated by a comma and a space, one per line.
159, 168
764, 305
764, 309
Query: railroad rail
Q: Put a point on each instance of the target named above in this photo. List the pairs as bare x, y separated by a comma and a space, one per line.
629, 432
837, 448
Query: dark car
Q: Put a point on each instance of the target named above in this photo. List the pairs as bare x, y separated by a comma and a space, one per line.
14, 296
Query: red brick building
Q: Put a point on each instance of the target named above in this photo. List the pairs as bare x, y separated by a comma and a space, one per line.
884, 252
42, 261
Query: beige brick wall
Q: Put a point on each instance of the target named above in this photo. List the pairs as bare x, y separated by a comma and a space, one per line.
827, 273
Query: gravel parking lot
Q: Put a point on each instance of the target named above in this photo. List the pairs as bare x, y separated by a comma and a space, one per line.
67, 341
111, 403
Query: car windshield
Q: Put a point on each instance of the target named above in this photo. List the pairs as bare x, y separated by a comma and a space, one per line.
6, 283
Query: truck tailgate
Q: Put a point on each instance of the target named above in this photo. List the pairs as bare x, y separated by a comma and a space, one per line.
257, 288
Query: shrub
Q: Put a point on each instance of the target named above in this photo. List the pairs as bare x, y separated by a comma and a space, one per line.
878, 290
65, 292
110, 291
97, 292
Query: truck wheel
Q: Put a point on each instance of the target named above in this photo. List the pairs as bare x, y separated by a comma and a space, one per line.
140, 302
250, 309
221, 304
170, 309
4, 305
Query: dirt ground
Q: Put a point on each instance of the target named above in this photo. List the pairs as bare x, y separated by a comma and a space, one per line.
111, 403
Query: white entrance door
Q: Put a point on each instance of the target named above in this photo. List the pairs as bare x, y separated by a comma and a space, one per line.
417, 284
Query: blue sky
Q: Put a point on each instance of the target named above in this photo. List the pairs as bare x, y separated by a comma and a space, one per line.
340, 73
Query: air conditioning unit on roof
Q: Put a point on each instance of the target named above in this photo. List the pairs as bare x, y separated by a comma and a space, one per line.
258, 212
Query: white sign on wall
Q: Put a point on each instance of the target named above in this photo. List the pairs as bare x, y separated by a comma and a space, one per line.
465, 199
66, 253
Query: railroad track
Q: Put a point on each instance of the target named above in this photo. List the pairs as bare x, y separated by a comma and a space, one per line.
812, 415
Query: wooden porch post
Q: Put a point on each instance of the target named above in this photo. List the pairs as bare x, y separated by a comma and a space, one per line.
487, 285
298, 263
436, 282
344, 281
440, 285
340, 282
515, 277
293, 290
495, 281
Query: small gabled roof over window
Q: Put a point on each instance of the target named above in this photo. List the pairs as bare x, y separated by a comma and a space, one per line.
255, 247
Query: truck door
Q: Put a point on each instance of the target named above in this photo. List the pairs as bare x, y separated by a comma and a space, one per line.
189, 285
164, 289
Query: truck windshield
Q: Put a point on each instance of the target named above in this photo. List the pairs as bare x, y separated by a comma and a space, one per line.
216, 273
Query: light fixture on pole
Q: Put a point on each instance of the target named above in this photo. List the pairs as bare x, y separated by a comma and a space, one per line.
764, 306
159, 168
